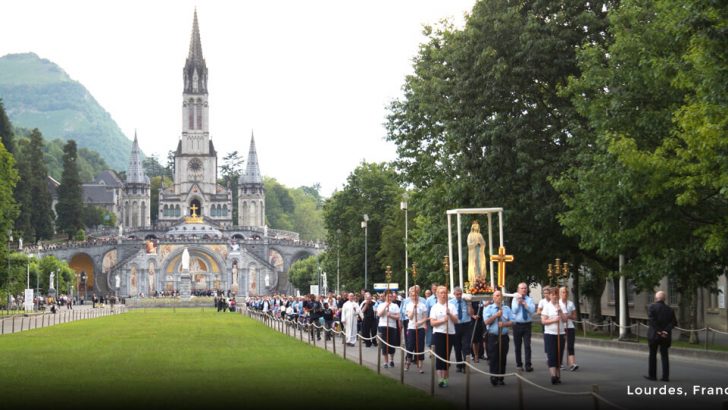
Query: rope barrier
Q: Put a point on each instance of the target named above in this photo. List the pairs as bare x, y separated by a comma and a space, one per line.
600, 397
547, 389
470, 366
689, 330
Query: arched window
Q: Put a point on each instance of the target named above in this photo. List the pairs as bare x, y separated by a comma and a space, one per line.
143, 221
191, 111
224, 210
253, 214
199, 114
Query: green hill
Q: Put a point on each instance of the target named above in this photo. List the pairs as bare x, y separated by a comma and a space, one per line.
37, 93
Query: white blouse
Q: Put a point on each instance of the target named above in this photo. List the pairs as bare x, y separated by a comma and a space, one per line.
438, 313
550, 312
568, 308
384, 321
421, 314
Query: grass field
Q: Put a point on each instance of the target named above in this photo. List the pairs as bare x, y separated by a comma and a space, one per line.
188, 359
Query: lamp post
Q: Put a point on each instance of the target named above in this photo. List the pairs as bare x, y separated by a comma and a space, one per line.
7, 258
403, 205
78, 288
319, 282
30, 255
83, 283
364, 225
338, 233
28, 297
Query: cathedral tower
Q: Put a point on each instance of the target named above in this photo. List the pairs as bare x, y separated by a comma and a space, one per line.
136, 199
195, 189
195, 159
251, 193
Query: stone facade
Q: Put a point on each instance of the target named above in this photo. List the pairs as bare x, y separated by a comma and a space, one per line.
242, 257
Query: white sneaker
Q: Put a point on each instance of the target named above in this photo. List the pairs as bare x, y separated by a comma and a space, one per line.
574, 367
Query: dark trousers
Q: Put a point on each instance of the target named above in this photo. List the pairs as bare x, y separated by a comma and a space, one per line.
663, 356
461, 342
416, 343
443, 346
369, 329
391, 336
522, 336
327, 325
554, 345
497, 353
570, 340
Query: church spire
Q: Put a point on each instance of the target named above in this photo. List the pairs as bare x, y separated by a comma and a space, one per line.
195, 43
252, 170
135, 172
195, 71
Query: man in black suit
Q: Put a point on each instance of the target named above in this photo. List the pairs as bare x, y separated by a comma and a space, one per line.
661, 319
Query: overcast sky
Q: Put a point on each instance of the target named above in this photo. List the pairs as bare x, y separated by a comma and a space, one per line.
312, 79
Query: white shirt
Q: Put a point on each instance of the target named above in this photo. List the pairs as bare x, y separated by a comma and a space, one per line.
550, 312
438, 313
568, 308
384, 321
421, 314
542, 303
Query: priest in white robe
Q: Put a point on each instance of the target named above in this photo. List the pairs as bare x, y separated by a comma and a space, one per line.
349, 317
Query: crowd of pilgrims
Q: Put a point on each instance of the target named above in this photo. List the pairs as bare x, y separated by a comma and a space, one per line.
475, 330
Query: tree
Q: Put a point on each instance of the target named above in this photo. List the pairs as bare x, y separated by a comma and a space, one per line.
157, 184
8, 207
23, 196
42, 214
6, 130
279, 205
482, 124
302, 273
649, 96
152, 167
170, 164
307, 215
70, 194
371, 189
230, 171
94, 216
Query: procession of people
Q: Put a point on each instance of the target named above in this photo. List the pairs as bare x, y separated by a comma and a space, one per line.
456, 324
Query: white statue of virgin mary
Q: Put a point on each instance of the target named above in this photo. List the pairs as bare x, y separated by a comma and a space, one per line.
186, 260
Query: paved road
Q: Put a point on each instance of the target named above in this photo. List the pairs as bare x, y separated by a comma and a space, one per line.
618, 373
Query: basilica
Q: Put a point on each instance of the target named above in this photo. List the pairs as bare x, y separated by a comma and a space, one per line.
195, 189
195, 223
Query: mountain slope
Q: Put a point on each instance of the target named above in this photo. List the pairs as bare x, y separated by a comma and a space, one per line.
37, 93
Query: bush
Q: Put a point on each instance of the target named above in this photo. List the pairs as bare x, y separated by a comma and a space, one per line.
80, 235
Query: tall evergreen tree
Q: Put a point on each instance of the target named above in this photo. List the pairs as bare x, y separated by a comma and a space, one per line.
8, 208
70, 193
231, 170
23, 194
6, 129
41, 210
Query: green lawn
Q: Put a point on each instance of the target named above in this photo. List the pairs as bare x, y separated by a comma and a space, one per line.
188, 359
